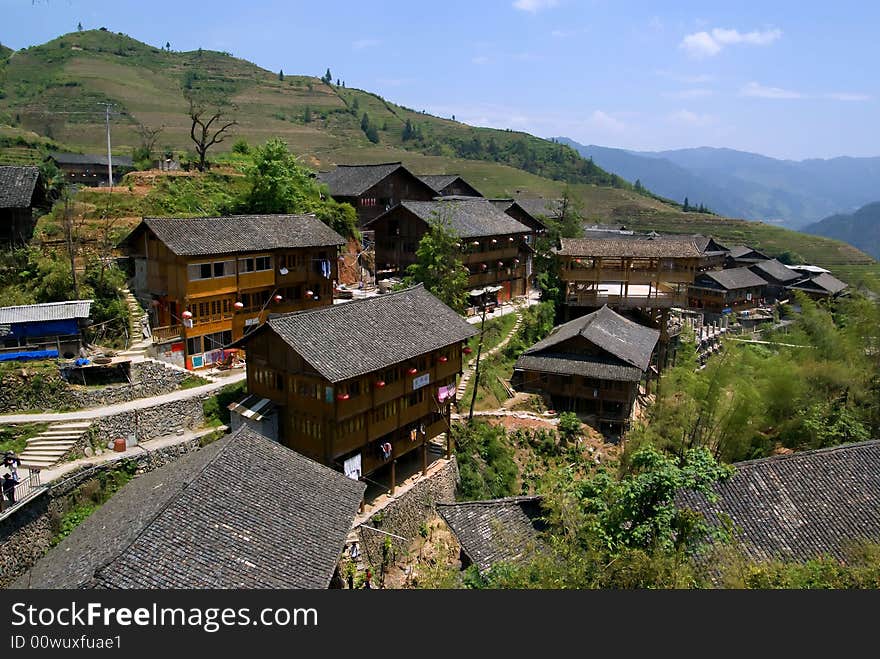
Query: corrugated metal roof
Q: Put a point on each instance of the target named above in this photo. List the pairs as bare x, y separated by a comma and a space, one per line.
35, 313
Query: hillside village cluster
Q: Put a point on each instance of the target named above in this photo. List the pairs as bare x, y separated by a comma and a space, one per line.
351, 386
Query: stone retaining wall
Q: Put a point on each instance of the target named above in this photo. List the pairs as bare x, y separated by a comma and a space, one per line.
25, 535
46, 390
405, 515
158, 421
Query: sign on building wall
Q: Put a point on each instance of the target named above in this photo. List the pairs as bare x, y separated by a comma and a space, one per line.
421, 381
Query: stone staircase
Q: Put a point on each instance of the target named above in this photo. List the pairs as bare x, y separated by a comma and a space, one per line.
469, 371
53, 444
137, 344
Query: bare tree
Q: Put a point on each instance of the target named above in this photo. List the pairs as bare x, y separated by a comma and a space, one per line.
149, 136
209, 127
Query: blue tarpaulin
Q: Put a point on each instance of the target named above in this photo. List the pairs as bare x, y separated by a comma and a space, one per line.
46, 328
24, 355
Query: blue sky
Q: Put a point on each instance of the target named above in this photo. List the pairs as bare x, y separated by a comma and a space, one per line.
783, 78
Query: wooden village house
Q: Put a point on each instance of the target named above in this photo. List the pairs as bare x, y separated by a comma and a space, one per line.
628, 272
208, 281
724, 291
591, 365
374, 189
777, 276
743, 255
21, 192
359, 385
820, 286
92, 169
494, 246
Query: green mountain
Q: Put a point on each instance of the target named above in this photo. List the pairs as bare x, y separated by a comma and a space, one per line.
51, 95
860, 229
746, 185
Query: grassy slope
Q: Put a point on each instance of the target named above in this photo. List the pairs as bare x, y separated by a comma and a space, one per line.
54, 89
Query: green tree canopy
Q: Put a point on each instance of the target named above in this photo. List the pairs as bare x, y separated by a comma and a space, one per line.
439, 267
278, 183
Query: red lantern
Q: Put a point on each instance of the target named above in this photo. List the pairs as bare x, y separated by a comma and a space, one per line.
380, 384
515, 261
413, 371
442, 359
278, 298
342, 396
510, 239
187, 314
239, 305
494, 241
309, 293
467, 350
500, 264
484, 266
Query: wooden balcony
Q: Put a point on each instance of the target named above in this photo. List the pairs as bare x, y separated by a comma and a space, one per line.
634, 276
501, 254
659, 301
215, 286
168, 333
261, 279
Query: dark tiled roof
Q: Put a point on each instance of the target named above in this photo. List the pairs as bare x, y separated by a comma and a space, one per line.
588, 367
800, 505
469, 217
741, 251
776, 270
539, 206
354, 180
623, 338
508, 205
734, 278
90, 159
495, 531
36, 313
344, 341
823, 282
204, 236
439, 182
17, 186
244, 512
631, 246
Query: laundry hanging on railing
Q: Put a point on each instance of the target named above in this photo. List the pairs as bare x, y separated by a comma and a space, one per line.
325, 268
445, 392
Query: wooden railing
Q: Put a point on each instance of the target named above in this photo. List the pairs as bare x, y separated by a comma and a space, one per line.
169, 333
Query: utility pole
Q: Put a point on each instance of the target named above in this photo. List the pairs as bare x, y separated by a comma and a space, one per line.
68, 226
107, 107
479, 351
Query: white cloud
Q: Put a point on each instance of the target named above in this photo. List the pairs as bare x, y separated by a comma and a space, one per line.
710, 43
365, 43
691, 118
604, 121
845, 96
760, 91
534, 6
698, 92
565, 34
687, 79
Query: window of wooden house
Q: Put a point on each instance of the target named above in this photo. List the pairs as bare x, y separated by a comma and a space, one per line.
224, 269
194, 345
197, 271
255, 264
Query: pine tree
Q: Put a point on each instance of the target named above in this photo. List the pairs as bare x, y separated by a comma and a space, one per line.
168, 46
281, 75
408, 132
365, 122
686, 206
79, 27
328, 77
307, 115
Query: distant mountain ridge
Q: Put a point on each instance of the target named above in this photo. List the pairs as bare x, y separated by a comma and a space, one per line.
860, 229
747, 185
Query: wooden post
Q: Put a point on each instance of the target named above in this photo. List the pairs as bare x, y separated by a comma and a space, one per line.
393, 476
424, 457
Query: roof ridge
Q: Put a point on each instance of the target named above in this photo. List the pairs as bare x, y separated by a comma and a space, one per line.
306, 312
801, 454
375, 164
493, 502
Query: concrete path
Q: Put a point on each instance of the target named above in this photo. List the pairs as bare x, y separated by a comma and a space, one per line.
138, 404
